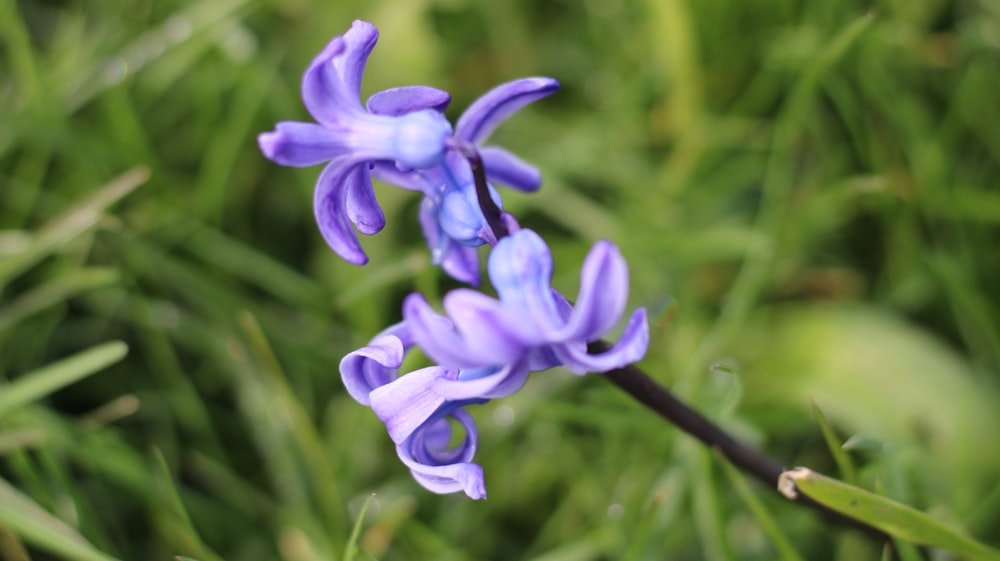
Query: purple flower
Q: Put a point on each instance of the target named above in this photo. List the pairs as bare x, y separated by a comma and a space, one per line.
485, 350
401, 136
415, 417
403, 126
450, 215
530, 323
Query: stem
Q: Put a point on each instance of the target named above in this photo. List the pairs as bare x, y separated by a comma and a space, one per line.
766, 469
490, 209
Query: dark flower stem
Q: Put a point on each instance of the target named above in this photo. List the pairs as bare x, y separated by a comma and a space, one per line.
490, 210
764, 468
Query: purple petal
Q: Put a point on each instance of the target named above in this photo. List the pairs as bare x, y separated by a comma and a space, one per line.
406, 403
602, 297
442, 470
362, 207
407, 99
502, 383
324, 93
412, 180
300, 144
330, 206
459, 261
507, 169
487, 112
520, 268
371, 366
492, 333
359, 41
477, 342
630, 348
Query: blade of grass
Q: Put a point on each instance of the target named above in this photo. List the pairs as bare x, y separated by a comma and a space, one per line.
42, 529
833, 443
767, 522
39, 383
893, 518
352, 543
74, 222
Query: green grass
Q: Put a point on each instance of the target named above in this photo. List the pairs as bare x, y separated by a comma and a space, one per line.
813, 184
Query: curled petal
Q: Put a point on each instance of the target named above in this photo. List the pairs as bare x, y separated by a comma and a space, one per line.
359, 41
330, 206
375, 364
407, 402
323, 91
602, 297
362, 207
487, 112
507, 169
407, 99
300, 144
443, 470
630, 348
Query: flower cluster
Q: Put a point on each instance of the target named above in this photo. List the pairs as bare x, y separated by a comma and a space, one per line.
482, 347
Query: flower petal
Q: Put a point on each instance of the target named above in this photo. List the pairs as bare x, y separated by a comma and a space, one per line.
330, 206
375, 364
507, 169
300, 144
407, 402
487, 112
412, 180
359, 41
362, 207
480, 335
630, 348
324, 93
502, 383
407, 99
602, 297
459, 261
445, 471
520, 268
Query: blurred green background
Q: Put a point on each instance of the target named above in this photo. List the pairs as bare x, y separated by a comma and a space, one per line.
806, 193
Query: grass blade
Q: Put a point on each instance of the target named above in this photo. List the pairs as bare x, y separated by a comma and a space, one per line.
887, 515
39, 383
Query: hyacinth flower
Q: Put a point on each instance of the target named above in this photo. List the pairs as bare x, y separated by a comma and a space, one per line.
401, 136
486, 349
371, 376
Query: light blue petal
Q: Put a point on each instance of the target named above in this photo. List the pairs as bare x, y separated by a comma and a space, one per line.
444, 470
520, 269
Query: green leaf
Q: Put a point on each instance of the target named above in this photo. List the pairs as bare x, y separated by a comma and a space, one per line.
893, 518
39, 383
